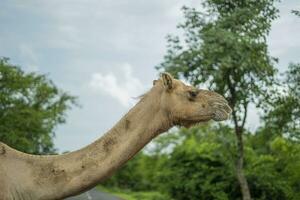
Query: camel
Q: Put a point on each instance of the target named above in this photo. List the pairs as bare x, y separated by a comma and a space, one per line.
168, 103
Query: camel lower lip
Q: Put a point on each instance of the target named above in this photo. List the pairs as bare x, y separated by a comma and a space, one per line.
221, 117
190, 123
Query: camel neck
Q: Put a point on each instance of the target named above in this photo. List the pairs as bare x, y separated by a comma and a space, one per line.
87, 167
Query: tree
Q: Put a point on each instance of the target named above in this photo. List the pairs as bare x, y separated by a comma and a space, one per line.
129, 176
31, 106
224, 47
283, 113
198, 168
201, 167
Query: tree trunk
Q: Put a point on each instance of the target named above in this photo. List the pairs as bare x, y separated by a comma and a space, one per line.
240, 165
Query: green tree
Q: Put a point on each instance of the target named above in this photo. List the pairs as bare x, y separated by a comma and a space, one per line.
31, 106
287, 155
201, 167
283, 113
273, 169
139, 174
129, 176
224, 47
198, 168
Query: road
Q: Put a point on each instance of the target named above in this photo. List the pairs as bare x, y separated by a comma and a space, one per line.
94, 194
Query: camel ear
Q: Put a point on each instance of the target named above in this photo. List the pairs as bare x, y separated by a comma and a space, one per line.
167, 80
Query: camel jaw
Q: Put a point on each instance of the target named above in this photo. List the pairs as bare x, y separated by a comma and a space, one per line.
191, 123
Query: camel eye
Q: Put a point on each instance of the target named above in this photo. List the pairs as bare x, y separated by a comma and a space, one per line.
192, 94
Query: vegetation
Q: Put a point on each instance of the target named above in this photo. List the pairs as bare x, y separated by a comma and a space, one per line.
130, 195
228, 52
225, 49
30, 108
201, 166
284, 110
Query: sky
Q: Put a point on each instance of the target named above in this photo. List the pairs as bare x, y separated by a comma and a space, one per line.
104, 52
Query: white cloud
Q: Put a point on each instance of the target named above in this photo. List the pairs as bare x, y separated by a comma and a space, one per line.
122, 89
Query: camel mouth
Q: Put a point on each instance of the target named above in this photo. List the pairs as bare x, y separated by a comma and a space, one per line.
190, 123
222, 113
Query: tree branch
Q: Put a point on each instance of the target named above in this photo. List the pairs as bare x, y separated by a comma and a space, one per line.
245, 106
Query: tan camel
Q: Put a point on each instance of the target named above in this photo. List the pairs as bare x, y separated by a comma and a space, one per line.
169, 102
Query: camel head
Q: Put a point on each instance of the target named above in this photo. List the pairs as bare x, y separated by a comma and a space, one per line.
187, 105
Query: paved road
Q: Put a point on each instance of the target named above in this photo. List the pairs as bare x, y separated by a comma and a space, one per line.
94, 194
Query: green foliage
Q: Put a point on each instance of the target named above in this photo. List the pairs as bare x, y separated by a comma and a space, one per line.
225, 48
131, 195
31, 106
283, 115
199, 164
201, 167
275, 172
150, 196
128, 177
198, 168
139, 174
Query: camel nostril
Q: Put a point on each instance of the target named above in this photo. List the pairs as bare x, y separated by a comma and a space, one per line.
222, 106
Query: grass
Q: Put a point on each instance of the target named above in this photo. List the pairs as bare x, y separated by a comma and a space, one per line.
130, 195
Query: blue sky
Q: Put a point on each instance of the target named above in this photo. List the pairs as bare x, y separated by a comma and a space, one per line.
105, 51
